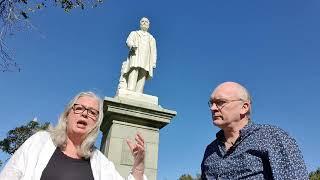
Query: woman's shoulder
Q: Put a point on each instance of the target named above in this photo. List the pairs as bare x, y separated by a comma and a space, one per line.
38, 137
41, 135
99, 155
102, 158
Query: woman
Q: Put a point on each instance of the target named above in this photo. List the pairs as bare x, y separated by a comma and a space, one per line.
67, 151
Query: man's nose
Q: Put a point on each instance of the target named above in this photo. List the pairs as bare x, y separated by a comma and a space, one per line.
214, 107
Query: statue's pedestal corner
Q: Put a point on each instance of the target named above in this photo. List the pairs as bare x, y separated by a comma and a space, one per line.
131, 96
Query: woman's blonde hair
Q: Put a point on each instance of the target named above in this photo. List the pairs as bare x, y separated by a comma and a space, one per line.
59, 132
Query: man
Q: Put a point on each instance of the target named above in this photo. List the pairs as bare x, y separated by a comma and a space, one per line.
142, 56
244, 150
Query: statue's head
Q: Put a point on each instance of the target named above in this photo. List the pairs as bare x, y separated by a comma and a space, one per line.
144, 24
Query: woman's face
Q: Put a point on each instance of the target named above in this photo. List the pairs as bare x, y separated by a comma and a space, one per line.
82, 117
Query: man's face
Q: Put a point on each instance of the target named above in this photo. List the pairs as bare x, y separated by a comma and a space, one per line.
144, 24
226, 106
82, 117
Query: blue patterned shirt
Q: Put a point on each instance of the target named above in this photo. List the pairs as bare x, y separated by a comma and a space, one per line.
261, 152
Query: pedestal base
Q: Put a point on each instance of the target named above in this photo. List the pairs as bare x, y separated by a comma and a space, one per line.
123, 119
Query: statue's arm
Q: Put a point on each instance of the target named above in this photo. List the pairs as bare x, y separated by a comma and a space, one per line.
131, 41
154, 49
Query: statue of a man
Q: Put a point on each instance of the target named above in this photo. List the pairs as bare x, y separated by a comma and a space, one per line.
142, 56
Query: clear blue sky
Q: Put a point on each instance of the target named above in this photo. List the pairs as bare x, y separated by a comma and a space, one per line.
271, 47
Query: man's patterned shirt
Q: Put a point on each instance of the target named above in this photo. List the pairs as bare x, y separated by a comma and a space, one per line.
261, 152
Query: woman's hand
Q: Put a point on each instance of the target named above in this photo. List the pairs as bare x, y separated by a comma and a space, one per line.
138, 152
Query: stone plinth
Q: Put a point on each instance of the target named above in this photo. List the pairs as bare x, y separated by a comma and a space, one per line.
123, 118
126, 95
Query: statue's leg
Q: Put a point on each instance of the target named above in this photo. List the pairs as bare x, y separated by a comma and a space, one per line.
141, 80
132, 79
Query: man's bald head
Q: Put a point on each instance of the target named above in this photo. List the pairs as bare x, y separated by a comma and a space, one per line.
234, 89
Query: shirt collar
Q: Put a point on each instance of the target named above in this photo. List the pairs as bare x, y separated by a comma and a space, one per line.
244, 132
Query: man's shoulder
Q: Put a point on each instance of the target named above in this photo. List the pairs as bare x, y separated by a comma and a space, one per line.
212, 146
271, 130
214, 142
268, 127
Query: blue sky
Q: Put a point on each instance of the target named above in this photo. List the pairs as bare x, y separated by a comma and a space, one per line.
271, 47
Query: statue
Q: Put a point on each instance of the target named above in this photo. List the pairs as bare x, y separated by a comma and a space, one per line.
141, 59
123, 81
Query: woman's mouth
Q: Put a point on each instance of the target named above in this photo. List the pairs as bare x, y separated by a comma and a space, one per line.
82, 123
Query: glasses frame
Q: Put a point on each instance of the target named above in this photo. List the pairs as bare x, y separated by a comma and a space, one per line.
91, 115
225, 102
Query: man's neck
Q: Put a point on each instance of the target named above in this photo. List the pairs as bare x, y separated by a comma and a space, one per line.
231, 133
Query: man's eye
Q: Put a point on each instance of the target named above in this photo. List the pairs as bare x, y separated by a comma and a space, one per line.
219, 103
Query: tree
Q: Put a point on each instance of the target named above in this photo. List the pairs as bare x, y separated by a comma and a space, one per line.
16, 137
315, 175
198, 177
15, 14
189, 177
186, 177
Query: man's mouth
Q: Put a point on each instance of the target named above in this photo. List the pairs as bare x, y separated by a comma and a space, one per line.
216, 117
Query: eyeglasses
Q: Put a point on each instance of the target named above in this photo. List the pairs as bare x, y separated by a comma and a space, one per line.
79, 109
220, 103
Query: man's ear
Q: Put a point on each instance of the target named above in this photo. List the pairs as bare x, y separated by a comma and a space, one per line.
245, 108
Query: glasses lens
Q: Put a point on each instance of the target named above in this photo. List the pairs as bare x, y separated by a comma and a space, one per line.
93, 112
220, 103
78, 108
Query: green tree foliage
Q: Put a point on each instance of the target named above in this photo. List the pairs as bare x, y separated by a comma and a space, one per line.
189, 177
16, 137
315, 175
186, 177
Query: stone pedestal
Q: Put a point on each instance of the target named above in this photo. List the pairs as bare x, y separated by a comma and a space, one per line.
126, 95
124, 116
